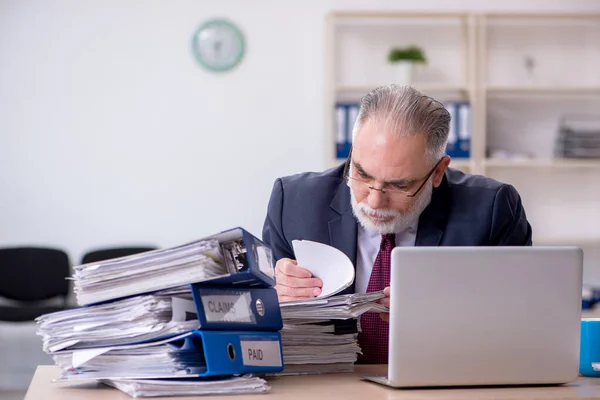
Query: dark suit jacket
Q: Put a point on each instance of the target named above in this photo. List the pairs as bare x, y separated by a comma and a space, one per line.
465, 210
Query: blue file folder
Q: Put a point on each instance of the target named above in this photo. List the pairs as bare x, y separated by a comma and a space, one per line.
256, 308
464, 130
345, 117
244, 260
452, 145
459, 135
194, 354
239, 352
223, 308
341, 124
249, 261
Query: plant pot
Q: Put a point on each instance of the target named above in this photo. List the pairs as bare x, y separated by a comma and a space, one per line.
403, 71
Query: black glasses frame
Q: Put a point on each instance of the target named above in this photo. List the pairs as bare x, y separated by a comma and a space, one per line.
382, 190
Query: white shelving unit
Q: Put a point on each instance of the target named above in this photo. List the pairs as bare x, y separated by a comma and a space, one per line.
541, 163
548, 90
422, 87
521, 72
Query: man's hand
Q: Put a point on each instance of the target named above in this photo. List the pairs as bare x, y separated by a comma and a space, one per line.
386, 302
294, 282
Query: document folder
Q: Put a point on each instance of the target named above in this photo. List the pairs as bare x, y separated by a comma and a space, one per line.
249, 261
240, 352
160, 315
234, 257
194, 354
224, 308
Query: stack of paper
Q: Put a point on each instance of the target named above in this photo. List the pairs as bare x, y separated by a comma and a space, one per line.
149, 271
127, 321
307, 350
320, 335
189, 387
199, 353
336, 307
148, 323
178, 356
579, 137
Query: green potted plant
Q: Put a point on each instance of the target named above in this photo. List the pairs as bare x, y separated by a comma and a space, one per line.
403, 60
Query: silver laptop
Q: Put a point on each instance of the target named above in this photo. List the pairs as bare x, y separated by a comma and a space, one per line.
473, 316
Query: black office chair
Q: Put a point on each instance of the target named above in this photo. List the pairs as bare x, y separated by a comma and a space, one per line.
33, 280
114, 252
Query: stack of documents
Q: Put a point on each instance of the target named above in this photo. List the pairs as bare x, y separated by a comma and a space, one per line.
136, 319
335, 307
203, 310
176, 356
189, 387
193, 354
331, 349
579, 137
149, 271
320, 335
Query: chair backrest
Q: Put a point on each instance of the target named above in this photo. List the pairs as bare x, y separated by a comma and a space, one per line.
113, 252
33, 273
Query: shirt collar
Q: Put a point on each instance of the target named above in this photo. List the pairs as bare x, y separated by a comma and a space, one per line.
412, 230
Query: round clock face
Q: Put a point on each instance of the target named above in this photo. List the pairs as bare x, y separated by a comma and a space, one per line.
218, 45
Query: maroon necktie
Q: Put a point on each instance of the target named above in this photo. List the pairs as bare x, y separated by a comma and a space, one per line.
373, 339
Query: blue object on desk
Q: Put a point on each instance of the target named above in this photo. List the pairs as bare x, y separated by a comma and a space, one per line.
225, 308
590, 296
595, 294
589, 346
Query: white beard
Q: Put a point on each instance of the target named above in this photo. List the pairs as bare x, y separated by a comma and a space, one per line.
402, 219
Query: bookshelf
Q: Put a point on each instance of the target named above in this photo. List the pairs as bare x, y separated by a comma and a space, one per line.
522, 73
354, 37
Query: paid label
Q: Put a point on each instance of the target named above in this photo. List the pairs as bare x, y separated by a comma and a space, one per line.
261, 353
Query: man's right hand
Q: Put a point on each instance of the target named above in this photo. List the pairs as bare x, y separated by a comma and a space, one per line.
295, 282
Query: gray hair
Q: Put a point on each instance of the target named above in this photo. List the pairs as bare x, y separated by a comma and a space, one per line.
406, 112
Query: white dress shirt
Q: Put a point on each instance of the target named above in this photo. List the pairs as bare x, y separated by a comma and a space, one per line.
368, 247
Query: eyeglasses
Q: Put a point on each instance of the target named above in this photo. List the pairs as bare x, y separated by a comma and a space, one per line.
365, 187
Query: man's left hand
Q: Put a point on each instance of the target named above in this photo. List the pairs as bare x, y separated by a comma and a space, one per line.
386, 302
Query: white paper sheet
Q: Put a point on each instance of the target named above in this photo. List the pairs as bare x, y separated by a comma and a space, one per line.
126, 321
148, 272
188, 387
327, 263
80, 357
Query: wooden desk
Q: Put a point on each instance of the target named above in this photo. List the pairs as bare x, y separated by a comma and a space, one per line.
333, 386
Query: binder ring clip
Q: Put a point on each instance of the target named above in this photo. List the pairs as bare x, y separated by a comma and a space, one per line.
260, 308
231, 351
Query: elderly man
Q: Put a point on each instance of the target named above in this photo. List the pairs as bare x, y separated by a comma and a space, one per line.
395, 189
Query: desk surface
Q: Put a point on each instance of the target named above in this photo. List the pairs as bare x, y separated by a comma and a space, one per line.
331, 386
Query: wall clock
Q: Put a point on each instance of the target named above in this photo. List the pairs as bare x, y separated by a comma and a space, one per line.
218, 45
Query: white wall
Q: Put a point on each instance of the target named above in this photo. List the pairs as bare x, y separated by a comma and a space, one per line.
110, 133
